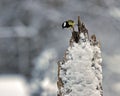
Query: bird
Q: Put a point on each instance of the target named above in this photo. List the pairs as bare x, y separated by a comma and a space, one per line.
68, 24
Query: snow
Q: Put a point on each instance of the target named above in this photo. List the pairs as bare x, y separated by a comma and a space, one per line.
83, 74
13, 86
43, 61
49, 87
42, 82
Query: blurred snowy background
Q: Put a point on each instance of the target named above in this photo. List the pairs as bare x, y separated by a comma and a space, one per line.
32, 41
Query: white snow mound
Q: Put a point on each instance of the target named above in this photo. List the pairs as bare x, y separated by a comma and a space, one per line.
83, 74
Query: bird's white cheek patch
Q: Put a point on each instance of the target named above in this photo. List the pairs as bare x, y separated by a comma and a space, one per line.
64, 24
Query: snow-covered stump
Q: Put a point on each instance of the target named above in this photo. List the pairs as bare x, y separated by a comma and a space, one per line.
80, 71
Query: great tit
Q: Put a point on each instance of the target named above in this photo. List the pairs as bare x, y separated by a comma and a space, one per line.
68, 24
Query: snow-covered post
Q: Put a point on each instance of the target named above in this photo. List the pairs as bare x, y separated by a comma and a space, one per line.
80, 70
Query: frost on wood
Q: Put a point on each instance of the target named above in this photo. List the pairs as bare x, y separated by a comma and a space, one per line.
80, 71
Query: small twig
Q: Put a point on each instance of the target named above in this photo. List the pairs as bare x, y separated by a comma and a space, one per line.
79, 24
